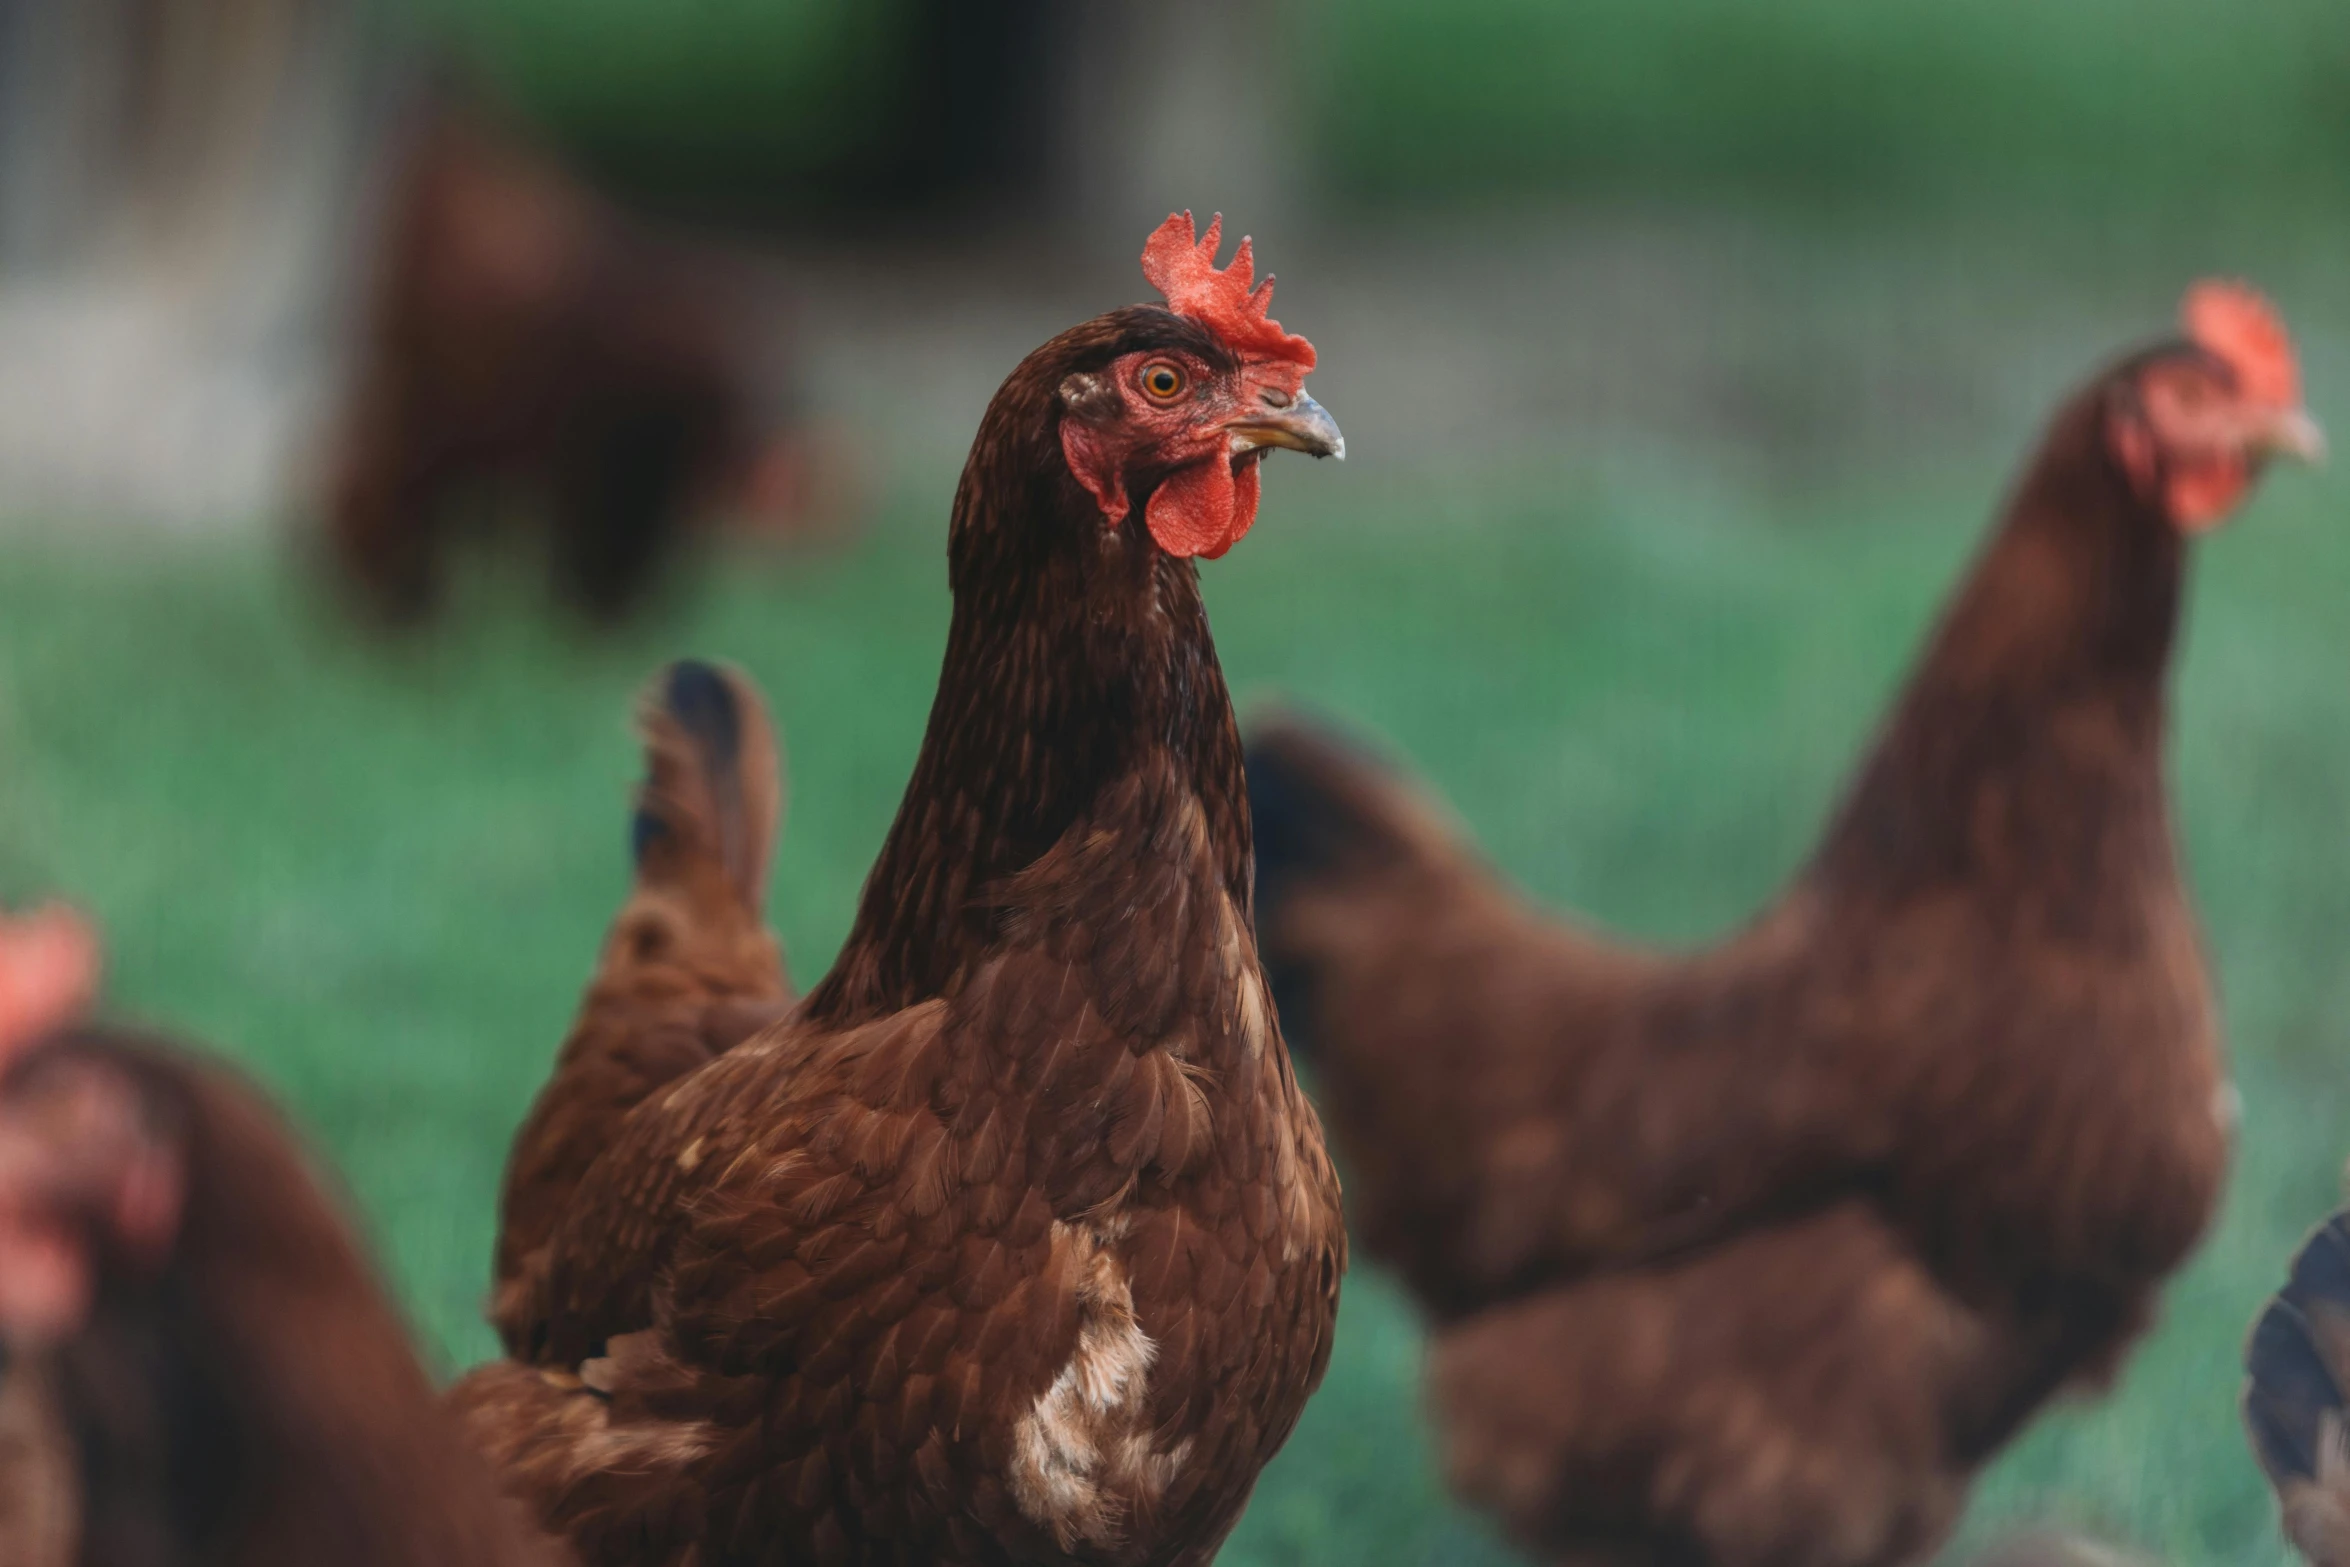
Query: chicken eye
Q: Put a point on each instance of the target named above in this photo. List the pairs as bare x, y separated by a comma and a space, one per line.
1162, 382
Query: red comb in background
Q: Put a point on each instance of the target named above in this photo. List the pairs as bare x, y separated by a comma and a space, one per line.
2233, 321
48, 973
1185, 271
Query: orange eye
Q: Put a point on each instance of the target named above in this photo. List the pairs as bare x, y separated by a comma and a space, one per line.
1161, 382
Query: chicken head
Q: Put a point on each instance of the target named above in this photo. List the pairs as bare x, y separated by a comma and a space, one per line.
1186, 423
2193, 424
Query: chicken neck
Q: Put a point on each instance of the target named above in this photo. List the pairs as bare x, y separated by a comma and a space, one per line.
2026, 751
1079, 680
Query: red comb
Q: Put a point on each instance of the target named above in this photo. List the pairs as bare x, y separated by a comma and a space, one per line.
1186, 272
48, 974
2233, 321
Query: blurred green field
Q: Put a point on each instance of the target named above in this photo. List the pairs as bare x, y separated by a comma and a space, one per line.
2179, 104
379, 880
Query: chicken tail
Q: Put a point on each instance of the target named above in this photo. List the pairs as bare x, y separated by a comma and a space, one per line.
1330, 820
688, 971
2296, 1369
712, 798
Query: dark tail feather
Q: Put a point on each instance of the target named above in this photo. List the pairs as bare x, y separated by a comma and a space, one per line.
2322, 1270
2296, 1367
713, 789
2287, 1394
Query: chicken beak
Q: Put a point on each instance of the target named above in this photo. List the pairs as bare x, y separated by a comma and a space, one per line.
1302, 426
2291, 432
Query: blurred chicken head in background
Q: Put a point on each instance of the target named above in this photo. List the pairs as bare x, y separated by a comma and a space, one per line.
2195, 423
87, 1173
1196, 422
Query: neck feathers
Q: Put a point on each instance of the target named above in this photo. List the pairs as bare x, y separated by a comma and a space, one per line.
2030, 736
1080, 686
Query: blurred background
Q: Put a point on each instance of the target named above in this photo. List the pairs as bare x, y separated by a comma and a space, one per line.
1683, 348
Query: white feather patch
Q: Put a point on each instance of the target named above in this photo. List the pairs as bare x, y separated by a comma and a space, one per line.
1082, 1458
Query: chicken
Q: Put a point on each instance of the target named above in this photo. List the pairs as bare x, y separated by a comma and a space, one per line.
688, 970
2296, 1375
201, 1367
1755, 1254
1015, 1241
523, 332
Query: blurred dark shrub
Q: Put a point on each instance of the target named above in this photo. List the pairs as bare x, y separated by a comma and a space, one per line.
746, 105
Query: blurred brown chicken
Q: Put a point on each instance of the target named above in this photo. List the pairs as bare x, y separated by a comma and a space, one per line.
2297, 1396
201, 1369
1015, 1241
523, 335
1754, 1255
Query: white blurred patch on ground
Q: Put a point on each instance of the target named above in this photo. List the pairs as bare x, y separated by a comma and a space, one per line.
119, 400
173, 261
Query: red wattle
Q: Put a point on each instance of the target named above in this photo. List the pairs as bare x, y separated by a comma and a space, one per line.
1203, 509
2201, 495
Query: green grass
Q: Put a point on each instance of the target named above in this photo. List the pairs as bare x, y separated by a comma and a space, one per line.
380, 880
2182, 103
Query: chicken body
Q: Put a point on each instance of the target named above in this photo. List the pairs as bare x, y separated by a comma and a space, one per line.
237, 1389
1016, 1241
1754, 1255
521, 332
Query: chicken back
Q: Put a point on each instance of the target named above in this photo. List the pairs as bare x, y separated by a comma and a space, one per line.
1016, 1241
1754, 1254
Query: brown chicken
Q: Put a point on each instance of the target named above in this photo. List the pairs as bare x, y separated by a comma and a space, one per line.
1016, 1241
201, 1368
2297, 1396
524, 334
1753, 1255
